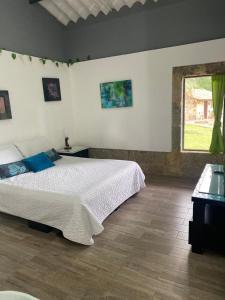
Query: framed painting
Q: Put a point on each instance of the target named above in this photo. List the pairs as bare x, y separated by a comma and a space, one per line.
51, 87
116, 94
5, 109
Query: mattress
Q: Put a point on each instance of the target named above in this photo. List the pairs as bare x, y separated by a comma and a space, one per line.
75, 196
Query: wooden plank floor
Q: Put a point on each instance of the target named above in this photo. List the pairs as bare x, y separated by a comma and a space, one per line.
142, 254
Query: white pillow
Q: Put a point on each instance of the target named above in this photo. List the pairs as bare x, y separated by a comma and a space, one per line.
9, 153
33, 146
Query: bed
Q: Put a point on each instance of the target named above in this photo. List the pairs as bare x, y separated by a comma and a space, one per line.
75, 196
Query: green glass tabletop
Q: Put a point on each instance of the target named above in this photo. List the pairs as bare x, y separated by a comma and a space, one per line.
211, 183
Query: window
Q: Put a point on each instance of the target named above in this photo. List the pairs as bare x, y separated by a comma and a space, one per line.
198, 117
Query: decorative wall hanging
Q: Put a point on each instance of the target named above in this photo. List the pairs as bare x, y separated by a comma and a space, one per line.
44, 60
5, 109
116, 94
51, 89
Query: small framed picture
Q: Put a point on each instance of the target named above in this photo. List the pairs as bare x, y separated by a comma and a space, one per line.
5, 109
51, 87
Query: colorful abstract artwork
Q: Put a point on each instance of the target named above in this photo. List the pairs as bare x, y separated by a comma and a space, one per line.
116, 94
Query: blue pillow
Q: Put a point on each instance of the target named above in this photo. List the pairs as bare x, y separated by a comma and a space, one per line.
12, 169
53, 155
38, 162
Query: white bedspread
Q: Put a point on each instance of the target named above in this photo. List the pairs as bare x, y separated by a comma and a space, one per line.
75, 196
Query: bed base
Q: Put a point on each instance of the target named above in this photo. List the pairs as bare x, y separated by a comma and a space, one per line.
39, 226
46, 229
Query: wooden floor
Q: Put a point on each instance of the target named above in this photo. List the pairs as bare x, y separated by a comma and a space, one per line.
142, 254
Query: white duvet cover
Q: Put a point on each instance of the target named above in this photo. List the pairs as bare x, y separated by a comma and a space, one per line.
75, 196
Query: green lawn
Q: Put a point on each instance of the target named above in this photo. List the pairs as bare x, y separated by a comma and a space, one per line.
197, 137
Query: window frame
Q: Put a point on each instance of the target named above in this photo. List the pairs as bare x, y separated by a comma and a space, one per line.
179, 73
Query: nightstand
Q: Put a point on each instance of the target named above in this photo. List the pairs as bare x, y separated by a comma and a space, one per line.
78, 151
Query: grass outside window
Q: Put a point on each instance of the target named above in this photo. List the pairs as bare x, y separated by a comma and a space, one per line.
197, 137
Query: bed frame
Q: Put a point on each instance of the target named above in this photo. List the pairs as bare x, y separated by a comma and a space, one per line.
39, 226
45, 228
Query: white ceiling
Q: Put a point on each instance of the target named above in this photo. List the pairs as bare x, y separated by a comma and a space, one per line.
71, 10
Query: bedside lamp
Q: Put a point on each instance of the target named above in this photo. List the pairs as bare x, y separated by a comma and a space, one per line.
67, 145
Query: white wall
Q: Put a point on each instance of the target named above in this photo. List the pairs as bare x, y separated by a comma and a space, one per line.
146, 125
31, 116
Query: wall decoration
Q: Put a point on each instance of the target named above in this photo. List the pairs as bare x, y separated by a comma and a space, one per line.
116, 94
5, 109
51, 89
69, 62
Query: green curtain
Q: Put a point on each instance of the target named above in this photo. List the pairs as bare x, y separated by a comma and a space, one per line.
218, 90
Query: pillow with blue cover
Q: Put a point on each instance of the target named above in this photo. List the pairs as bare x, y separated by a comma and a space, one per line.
38, 162
12, 169
53, 155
